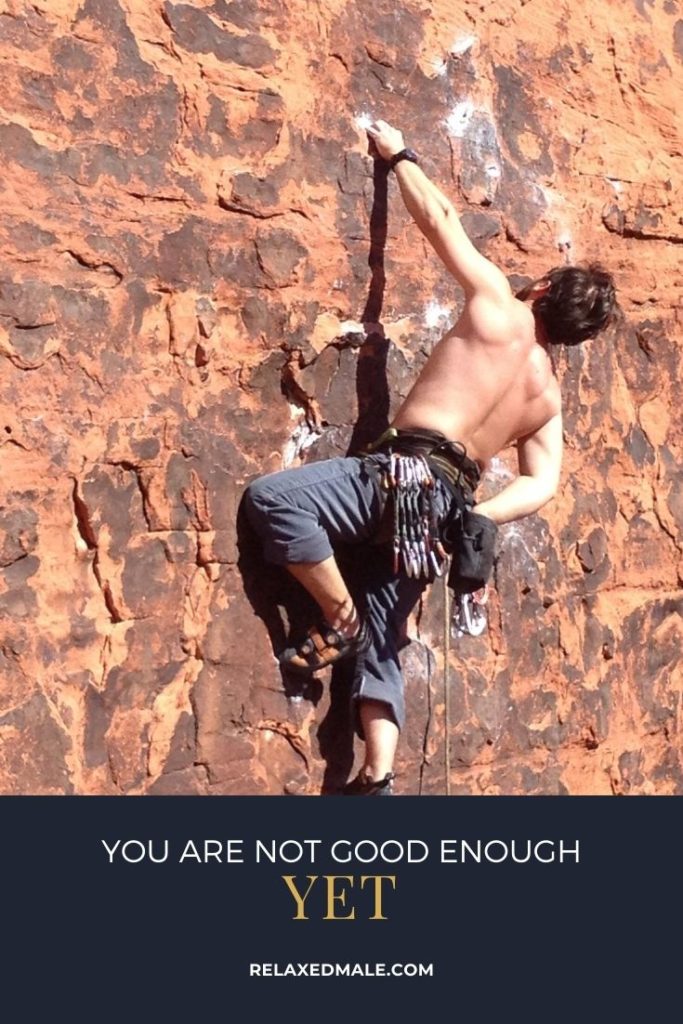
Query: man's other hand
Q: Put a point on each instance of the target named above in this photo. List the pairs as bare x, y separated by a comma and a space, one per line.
387, 141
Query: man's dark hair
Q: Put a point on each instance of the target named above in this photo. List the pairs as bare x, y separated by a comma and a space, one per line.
580, 302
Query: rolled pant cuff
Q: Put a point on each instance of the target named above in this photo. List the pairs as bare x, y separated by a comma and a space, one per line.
372, 690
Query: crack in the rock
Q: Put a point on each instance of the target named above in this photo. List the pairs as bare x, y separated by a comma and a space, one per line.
678, 544
184, 111
32, 327
5, 564
114, 613
161, 46
83, 523
90, 264
131, 467
165, 18
645, 236
640, 234
268, 91
226, 204
87, 533
340, 58
196, 501
91, 376
283, 729
104, 661
512, 236
17, 444
612, 51
112, 769
293, 391
159, 199
169, 319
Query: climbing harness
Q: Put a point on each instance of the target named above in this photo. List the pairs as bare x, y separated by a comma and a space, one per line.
446, 459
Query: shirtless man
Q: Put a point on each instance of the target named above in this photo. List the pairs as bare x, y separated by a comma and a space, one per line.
488, 382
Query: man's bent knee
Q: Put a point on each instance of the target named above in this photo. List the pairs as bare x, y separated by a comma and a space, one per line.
290, 534
256, 495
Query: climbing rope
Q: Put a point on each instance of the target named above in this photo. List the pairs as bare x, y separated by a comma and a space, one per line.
446, 681
469, 617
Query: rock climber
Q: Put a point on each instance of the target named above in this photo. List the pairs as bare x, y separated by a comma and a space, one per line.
489, 382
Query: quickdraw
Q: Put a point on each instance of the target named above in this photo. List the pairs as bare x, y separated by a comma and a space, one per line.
417, 548
469, 613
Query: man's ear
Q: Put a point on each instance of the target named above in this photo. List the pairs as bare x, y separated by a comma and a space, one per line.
533, 291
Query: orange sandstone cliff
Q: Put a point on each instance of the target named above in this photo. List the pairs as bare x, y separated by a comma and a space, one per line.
202, 281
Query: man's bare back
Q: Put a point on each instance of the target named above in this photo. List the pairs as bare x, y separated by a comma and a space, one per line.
483, 388
489, 381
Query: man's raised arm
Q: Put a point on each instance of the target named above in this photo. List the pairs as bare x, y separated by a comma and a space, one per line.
439, 222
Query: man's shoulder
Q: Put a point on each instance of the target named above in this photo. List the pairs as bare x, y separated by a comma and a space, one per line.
500, 318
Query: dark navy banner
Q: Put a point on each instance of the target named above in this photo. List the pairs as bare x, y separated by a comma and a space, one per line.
161, 908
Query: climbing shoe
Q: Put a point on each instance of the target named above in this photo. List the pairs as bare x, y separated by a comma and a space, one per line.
364, 785
323, 646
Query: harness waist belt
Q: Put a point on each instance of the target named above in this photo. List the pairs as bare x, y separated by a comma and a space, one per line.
448, 458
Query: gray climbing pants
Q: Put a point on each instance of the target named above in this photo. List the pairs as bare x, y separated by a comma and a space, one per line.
302, 514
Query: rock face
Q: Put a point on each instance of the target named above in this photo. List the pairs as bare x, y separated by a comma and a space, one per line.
203, 281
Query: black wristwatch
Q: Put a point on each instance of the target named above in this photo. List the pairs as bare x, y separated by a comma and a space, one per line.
405, 154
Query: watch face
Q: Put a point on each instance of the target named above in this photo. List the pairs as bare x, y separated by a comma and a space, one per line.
411, 155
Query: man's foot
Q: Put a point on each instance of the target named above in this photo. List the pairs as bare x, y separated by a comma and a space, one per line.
324, 646
365, 785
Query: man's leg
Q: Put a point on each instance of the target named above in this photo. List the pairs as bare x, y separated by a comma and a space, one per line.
381, 738
301, 513
378, 687
326, 585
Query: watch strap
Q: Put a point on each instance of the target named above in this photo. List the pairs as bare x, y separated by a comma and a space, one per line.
404, 154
